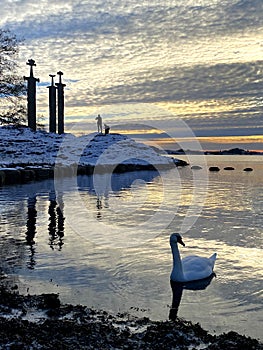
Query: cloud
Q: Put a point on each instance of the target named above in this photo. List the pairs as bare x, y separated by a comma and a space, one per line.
151, 20
187, 83
120, 52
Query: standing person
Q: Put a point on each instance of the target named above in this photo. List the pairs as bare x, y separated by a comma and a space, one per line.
99, 123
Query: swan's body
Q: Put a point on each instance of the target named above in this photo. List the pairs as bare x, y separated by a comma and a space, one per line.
190, 268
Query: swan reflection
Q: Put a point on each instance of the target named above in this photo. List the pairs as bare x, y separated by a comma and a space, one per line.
177, 290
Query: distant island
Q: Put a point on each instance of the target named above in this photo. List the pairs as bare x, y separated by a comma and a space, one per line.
232, 151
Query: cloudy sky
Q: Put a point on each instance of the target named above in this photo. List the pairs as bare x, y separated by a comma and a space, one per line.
149, 62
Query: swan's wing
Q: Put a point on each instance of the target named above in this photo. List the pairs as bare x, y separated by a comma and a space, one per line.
196, 267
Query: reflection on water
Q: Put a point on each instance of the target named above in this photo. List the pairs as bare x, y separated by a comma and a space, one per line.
56, 220
177, 291
39, 245
31, 228
118, 195
55, 226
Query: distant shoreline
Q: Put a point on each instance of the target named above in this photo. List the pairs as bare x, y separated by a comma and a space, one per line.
232, 151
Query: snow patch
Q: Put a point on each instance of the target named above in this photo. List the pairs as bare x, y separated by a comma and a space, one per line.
21, 146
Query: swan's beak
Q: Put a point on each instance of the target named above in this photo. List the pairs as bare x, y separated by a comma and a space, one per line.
181, 241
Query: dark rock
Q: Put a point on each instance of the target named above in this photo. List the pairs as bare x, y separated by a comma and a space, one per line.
14, 287
234, 341
196, 167
12, 176
214, 168
248, 169
27, 175
42, 173
51, 301
120, 168
78, 327
82, 169
180, 162
229, 168
2, 178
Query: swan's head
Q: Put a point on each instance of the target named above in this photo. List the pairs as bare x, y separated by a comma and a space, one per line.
176, 238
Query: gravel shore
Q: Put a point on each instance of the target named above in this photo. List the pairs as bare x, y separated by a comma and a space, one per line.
42, 322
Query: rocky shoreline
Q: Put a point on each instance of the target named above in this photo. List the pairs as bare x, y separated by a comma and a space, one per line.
42, 322
20, 174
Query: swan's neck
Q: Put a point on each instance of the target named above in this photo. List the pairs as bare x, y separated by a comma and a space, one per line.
177, 272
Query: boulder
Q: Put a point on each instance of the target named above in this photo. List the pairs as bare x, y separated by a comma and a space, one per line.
248, 169
11, 176
2, 178
27, 175
229, 168
196, 167
214, 168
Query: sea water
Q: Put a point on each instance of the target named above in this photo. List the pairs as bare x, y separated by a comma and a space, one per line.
104, 241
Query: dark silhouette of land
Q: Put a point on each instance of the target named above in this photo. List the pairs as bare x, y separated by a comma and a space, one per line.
232, 151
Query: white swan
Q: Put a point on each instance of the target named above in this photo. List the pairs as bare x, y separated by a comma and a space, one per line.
190, 268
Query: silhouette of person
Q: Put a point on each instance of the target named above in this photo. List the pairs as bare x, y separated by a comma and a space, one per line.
99, 123
107, 129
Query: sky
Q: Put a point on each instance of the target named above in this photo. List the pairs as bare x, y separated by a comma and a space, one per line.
150, 68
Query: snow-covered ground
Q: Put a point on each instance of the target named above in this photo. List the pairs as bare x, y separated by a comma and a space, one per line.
21, 147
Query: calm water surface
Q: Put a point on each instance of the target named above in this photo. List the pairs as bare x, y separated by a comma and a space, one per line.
108, 246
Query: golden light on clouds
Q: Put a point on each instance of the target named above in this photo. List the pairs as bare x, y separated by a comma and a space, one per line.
141, 131
233, 139
252, 142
